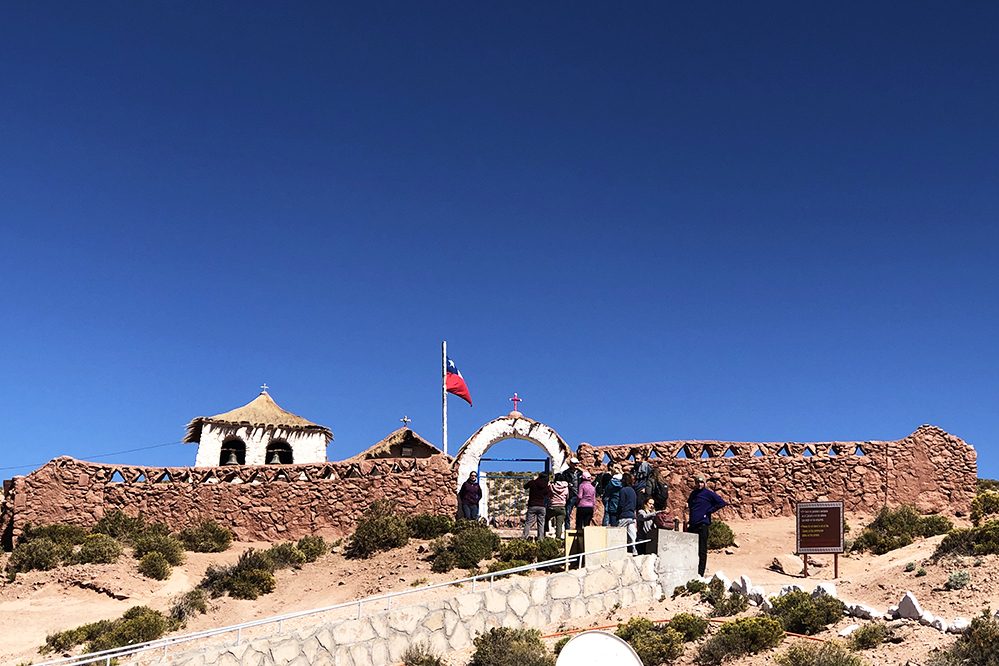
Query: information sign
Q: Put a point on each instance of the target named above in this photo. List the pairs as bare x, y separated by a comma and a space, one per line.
819, 527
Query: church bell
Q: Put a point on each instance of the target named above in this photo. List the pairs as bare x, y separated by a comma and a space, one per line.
232, 459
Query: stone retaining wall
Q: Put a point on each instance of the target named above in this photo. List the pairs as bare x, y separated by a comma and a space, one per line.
450, 624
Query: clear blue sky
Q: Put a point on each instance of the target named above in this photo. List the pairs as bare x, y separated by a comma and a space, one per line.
657, 221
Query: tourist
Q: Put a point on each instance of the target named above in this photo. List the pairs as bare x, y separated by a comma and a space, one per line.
469, 497
626, 510
611, 496
658, 489
701, 503
641, 472
600, 484
537, 495
646, 524
557, 495
571, 475
586, 501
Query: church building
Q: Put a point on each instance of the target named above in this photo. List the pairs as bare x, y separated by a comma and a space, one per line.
258, 433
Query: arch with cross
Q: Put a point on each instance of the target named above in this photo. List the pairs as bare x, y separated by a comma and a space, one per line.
512, 426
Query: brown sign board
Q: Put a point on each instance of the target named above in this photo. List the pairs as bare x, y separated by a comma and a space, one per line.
819, 527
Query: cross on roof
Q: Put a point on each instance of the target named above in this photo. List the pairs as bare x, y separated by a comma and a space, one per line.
516, 400
406, 421
264, 386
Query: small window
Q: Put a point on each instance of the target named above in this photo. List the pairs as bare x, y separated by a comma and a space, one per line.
407, 451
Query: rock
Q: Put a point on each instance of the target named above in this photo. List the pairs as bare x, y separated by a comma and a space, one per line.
788, 564
846, 631
757, 594
958, 626
927, 619
939, 624
909, 608
788, 589
720, 575
862, 612
729, 551
891, 613
824, 590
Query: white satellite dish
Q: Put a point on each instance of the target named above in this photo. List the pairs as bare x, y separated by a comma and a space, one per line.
597, 648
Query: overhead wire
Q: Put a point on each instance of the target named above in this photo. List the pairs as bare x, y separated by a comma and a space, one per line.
100, 455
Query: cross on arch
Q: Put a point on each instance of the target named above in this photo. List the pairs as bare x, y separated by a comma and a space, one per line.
516, 400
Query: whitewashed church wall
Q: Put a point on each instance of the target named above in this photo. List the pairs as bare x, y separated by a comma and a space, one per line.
306, 448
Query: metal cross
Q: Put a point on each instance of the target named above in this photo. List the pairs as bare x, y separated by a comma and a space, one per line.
406, 421
516, 400
264, 386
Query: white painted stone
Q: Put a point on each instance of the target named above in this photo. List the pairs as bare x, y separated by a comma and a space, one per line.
460, 639
577, 608
862, 612
284, 651
495, 601
600, 581
468, 605
405, 620
824, 590
720, 575
846, 631
518, 602
958, 626
595, 605
563, 587
909, 608
891, 613
380, 653
939, 624
788, 589
539, 590
434, 621
757, 594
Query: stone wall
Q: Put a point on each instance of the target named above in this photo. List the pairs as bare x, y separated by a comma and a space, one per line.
931, 469
445, 625
264, 502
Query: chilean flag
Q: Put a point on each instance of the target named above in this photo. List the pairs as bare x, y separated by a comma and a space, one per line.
455, 383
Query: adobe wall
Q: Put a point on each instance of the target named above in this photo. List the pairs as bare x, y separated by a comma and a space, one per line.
931, 469
258, 502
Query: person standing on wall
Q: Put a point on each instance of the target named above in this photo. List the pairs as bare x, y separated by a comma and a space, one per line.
612, 493
701, 503
627, 507
572, 476
469, 497
537, 496
557, 495
586, 501
641, 472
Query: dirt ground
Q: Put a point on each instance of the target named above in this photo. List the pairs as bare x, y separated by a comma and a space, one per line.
40, 603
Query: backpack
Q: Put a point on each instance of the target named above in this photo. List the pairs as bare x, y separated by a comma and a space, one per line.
663, 521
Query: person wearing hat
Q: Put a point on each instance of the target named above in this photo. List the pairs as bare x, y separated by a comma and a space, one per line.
572, 475
586, 501
701, 503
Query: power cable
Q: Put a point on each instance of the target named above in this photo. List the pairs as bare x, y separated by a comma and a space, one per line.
100, 455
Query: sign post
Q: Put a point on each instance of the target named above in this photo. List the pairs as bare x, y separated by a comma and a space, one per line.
819, 530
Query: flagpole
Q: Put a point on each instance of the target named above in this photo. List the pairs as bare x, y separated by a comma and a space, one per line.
444, 392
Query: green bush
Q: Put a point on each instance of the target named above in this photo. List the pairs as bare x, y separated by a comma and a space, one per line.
822, 654
975, 647
429, 525
500, 565
690, 626
920, 572
654, 644
800, 613
63, 535
518, 549
463, 524
473, 545
982, 540
985, 504
444, 561
720, 535
98, 549
40, 554
550, 548
169, 547
118, 524
187, 605
251, 576
957, 580
313, 547
559, 644
154, 565
285, 555
250, 583
64, 641
748, 635
692, 586
420, 654
501, 646
895, 528
910, 567
206, 537
869, 636
722, 603
139, 624
378, 529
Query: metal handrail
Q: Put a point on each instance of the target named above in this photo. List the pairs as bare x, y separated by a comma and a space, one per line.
108, 655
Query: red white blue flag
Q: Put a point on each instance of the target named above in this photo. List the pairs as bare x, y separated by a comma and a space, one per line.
455, 383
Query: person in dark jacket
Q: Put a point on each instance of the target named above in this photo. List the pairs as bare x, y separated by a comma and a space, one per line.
701, 503
627, 506
469, 497
537, 497
572, 475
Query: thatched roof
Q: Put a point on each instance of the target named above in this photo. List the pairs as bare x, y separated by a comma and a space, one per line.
261, 412
398, 437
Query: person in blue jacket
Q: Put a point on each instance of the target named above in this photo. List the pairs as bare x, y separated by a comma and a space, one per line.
701, 503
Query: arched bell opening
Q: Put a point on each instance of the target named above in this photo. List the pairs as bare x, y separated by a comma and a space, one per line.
279, 453
233, 452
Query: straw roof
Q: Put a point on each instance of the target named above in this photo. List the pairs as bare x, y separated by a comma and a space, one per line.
261, 412
395, 438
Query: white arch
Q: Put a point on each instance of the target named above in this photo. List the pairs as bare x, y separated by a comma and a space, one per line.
513, 426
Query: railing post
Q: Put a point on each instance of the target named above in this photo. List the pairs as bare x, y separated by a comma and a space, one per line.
239, 634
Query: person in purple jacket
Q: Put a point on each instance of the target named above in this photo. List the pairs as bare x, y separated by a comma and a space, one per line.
701, 503
469, 496
587, 500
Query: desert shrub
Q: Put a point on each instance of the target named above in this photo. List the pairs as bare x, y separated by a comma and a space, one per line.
206, 537
720, 535
463, 524
957, 580
429, 525
518, 549
62, 535
823, 654
98, 548
420, 654
654, 644
559, 644
501, 646
251, 576
722, 603
869, 636
40, 554
910, 567
118, 524
188, 604
313, 547
64, 641
985, 504
285, 555
154, 565
975, 647
690, 626
250, 583
473, 545
895, 528
379, 528
983, 485
550, 548
500, 565
800, 613
692, 586
138, 624
920, 572
444, 561
169, 547
982, 540
748, 635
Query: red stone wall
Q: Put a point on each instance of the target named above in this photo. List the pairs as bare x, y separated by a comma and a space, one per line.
931, 469
259, 502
